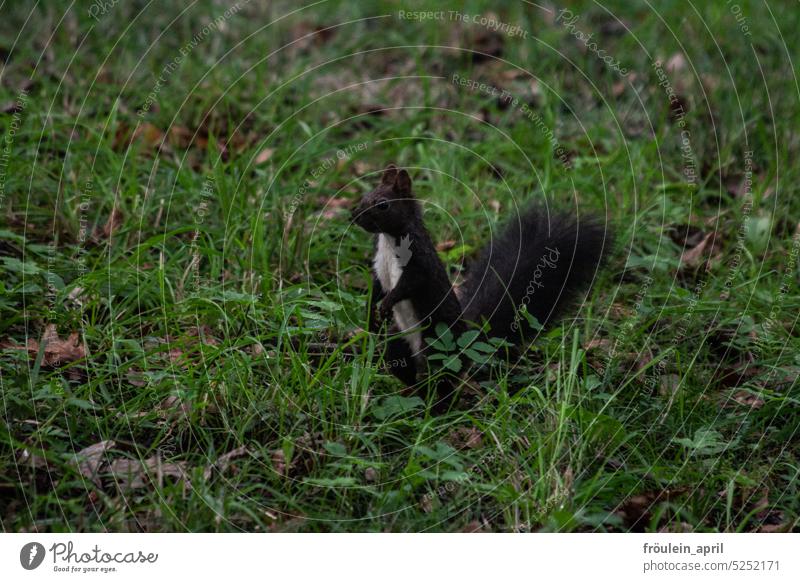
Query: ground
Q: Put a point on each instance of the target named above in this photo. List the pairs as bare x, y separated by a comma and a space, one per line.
182, 297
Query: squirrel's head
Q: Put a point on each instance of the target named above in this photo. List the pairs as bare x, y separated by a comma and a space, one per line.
391, 207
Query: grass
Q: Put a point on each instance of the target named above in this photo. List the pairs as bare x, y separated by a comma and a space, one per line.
217, 291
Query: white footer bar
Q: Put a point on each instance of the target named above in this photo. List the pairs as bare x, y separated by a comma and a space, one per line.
372, 557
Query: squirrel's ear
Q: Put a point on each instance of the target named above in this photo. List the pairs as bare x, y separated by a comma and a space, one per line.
403, 183
389, 174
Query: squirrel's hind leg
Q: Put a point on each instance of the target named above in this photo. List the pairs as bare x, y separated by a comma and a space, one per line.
399, 361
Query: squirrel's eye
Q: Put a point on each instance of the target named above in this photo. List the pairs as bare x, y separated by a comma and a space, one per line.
382, 205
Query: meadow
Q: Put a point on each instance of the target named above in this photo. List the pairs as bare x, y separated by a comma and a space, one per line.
183, 296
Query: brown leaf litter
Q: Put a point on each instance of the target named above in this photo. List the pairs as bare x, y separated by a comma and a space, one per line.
132, 474
223, 462
57, 351
90, 458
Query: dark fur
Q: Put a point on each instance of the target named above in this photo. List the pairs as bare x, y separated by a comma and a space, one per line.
391, 209
520, 260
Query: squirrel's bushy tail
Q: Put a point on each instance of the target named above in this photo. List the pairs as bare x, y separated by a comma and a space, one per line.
542, 260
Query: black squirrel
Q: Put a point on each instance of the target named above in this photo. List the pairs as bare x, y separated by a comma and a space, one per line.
541, 261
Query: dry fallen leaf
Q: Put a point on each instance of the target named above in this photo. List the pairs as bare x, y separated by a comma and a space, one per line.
264, 155
771, 519
306, 34
701, 253
90, 459
307, 450
184, 138
136, 377
335, 207
669, 384
774, 528
293, 524
77, 296
10, 107
205, 333
57, 351
465, 437
762, 502
113, 223
145, 133
176, 405
279, 462
682, 79
568, 479
710, 82
133, 474
473, 527
340, 202
676, 63
748, 399
636, 510
361, 168
686, 235
485, 42
31, 460
597, 343
224, 461
676, 527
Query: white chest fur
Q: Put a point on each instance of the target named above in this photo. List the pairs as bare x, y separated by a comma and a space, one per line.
388, 270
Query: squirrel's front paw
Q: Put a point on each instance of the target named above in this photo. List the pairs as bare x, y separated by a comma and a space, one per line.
385, 311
